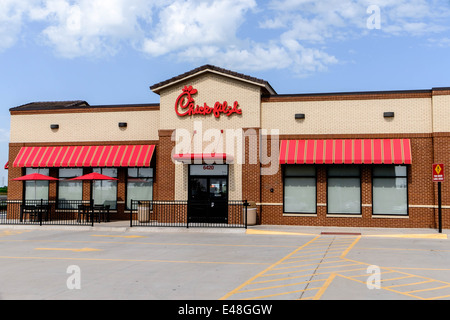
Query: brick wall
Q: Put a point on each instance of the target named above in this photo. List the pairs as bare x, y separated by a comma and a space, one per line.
15, 188
442, 155
165, 172
421, 195
251, 176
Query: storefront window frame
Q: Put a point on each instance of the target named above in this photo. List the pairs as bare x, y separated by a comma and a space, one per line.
105, 181
73, 205
30, 170
344, 177
406, 176
299, 176
126, 184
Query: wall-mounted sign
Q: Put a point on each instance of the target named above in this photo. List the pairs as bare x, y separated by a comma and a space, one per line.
208, 170
438, 172
185, 106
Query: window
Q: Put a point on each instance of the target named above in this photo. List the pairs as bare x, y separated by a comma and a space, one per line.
344, 190
69, 190
299, 189
36, 190
390, 190
105, 191
139, 184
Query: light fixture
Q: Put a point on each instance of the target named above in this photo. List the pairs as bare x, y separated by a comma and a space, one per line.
54, 126
122, 124
388, 114
299, 116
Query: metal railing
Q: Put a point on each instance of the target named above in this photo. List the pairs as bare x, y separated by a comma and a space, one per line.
155, 213
43, 212
179, 213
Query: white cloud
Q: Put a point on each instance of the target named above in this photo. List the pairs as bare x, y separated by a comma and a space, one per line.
208, 31
91, 27
317, 21
255, 57
443, 42
191, 23
11, 13
294, 31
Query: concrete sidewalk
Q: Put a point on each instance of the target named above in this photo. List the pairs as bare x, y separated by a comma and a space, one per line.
369, 232
124, 226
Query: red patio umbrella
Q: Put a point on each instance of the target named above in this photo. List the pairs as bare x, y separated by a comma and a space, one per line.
35, 177
94, 176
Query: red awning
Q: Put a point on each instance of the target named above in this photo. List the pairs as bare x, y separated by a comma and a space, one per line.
7, 166
190, 157
365, 151
85, 156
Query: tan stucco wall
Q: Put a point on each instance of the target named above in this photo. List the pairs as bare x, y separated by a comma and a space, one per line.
349, 116
85, 127
212, 88
441, 113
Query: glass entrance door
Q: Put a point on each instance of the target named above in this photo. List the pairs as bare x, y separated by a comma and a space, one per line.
208, 199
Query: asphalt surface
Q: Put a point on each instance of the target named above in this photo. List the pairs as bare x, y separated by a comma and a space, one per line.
262, 263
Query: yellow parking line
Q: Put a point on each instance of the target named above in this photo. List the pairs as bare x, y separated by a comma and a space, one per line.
280, 294
279, 286
325, 286
133, 260
395, 291
110, 236
314, 274
429, 289
314, 259
69, 249
282, 233
156, 243
310, 264
267, 269
429, 269
411, 236
283, 279
312, 269
350, 247
439, 297
408, 284
398, 278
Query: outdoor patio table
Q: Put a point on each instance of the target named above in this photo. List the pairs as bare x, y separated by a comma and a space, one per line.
102, 212
84, 210
43, 210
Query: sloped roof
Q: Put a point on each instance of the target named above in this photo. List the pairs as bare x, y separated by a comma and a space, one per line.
79, 104
210, 68
51, 105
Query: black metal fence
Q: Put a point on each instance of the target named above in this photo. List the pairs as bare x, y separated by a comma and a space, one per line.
155, 213
43, 212
232, 214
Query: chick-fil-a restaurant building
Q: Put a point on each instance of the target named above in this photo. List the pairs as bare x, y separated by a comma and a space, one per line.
354, 159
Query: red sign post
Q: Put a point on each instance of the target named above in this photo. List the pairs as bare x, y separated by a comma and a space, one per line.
438, 176
438, 172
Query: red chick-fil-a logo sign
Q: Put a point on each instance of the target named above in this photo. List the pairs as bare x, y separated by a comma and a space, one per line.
185, 106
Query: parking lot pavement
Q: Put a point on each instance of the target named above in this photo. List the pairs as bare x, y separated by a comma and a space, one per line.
263, 262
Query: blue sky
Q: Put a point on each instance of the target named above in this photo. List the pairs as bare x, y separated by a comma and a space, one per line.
111, 51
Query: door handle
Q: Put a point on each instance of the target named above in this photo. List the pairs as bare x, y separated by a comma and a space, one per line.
212, 204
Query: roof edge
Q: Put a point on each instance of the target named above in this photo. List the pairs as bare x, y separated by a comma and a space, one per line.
49, 105
156, 88
61, 106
